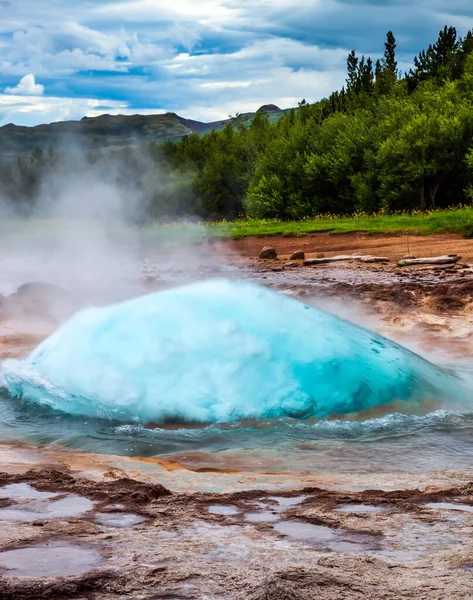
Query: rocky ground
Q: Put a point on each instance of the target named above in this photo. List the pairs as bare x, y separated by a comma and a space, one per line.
432, 304
70, 537
80, 526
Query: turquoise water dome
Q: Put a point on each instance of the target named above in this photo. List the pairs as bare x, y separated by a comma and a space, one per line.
220, 351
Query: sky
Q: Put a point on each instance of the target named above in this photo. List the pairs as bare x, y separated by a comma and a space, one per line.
203, 59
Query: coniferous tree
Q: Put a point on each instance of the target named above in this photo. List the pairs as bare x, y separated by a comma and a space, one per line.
352, 69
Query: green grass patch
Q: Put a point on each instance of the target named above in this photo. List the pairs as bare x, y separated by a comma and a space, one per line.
459, 220
56, 232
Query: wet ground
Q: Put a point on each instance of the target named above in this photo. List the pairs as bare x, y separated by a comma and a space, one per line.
431, 304
196, 525
137, 539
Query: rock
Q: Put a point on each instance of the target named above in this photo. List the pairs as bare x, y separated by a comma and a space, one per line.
40, 289
268, 253
38, 300
371, 259
298, 255
434, 260
291, 265
322, 261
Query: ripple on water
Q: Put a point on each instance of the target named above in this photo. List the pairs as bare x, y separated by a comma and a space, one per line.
49, 560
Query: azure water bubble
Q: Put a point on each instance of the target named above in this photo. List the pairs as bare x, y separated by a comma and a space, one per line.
221, 351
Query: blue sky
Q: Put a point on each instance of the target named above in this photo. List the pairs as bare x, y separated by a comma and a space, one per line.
204, 59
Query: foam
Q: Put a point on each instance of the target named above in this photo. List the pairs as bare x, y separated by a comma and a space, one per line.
220, 351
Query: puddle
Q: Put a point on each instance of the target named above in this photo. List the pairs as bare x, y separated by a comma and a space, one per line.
51, 560
221, 509
23, 491
285, 503
449, 506
35, 510
264, 516
120, 520
359, 508
326, 538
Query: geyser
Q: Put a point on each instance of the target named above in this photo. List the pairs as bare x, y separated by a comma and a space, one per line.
219, 351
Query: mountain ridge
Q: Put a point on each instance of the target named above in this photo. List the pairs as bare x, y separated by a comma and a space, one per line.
111, 131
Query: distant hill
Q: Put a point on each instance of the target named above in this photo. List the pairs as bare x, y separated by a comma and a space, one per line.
109, 132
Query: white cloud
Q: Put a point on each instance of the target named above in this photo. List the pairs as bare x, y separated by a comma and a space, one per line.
220, 85
239, 54
214, 12
31, 110
26, 87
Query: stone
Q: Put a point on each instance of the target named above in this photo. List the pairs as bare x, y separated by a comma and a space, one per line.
372, 259
434, 260
322, 261
38, 300
268, 253
292, 265
298, 255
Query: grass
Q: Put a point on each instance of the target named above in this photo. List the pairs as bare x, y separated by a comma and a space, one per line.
458, 220
182, 233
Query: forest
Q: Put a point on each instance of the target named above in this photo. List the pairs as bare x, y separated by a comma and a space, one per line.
386, 142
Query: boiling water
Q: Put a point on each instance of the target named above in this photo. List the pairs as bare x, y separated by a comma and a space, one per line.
439, 441
243, 373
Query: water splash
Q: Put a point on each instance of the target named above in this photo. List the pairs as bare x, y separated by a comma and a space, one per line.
220, 351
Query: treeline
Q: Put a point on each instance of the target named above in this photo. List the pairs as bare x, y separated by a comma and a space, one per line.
136, 180
387, 141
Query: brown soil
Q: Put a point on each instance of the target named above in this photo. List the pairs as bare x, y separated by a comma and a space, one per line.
395, 247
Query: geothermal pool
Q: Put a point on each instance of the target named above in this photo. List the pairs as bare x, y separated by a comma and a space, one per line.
228, 371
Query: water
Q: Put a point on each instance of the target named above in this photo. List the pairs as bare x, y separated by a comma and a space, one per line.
119, 520
24, 491
256, 363
359, 509
221, 509
439, 441
29, 505
55, 559
449, 506
263, 516
323, 537
221, 351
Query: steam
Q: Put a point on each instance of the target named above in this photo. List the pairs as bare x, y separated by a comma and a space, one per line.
88, 229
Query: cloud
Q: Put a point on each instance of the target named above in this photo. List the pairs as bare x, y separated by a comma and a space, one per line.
204, 59
27, 110
26, 87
